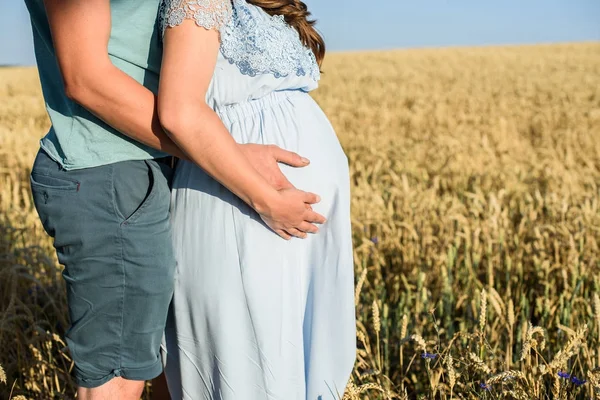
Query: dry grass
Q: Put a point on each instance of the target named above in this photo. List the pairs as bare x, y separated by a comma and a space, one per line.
476, 217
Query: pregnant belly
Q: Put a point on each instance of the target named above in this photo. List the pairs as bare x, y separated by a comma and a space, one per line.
295, 122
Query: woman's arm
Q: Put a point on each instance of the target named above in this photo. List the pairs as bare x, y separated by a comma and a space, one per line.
189, 59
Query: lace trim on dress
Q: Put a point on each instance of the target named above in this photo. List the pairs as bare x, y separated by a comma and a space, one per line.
209, 14
256, 46
265, 46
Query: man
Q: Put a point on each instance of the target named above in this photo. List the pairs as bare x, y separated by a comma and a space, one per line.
101, 185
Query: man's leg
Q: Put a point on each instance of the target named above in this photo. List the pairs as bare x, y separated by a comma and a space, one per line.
111, 231
116, 388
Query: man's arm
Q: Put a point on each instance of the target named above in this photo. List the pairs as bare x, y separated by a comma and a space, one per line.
80, 32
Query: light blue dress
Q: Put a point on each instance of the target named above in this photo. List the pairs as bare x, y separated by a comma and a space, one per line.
254, 316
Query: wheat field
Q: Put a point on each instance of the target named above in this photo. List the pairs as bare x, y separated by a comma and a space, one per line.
476, 224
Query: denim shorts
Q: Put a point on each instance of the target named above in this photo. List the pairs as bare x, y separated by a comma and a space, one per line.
111, 232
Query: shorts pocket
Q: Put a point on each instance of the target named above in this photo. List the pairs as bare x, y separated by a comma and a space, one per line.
52, 197
52, 183
134, 189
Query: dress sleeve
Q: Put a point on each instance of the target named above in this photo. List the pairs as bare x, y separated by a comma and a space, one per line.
209, 14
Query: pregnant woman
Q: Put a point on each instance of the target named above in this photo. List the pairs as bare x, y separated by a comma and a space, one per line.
254, 316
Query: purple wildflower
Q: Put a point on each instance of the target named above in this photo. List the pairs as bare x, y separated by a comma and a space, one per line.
485, 386
375, 239
564, 375
577, 381
429, 356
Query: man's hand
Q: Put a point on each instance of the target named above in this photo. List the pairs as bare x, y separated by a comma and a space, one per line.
265, 159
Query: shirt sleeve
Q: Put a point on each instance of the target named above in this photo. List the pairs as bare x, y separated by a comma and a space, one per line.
208, 14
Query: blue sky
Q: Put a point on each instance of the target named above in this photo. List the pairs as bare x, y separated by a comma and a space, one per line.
384, 24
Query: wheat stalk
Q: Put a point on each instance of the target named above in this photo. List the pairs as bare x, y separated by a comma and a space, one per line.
359, 285
479, 364
569, 350
418, 339
376, 317
507, 375
451, 373
404, 326
527, 342
2, 375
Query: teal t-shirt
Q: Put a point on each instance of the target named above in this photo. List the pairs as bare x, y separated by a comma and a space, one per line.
78, 139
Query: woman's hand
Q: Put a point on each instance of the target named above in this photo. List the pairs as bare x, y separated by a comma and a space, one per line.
289, 213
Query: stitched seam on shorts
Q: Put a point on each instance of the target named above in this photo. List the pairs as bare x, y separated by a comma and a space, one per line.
120, 245
122, 297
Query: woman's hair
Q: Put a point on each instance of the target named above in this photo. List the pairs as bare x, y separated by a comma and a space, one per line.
296, 14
